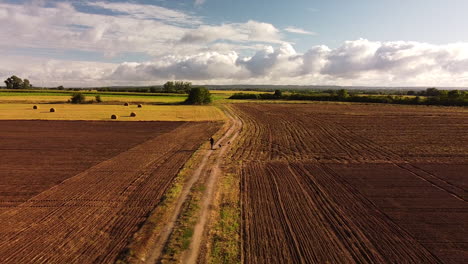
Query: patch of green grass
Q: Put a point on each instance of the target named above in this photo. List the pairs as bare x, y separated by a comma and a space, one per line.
181, 237
187, 234
226, 238
63, 96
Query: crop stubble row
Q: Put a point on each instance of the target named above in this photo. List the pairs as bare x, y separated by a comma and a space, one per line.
346, 183
91, 216
37, 155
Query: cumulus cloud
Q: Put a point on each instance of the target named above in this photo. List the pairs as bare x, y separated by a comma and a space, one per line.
202, 66
299, 31
396, 60
359, 62
51, 72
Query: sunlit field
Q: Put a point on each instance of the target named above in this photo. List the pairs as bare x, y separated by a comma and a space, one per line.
108, 98
104, 112
51, 96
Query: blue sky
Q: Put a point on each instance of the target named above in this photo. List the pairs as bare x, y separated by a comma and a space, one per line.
335, 21
359, 42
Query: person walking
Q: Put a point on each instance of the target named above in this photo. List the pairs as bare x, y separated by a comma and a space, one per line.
212, 142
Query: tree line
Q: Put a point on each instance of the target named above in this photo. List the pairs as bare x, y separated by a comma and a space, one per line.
430, 96
179, 87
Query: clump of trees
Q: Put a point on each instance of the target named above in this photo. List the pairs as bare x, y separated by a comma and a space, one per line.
177, 87
14, 82
78, 98
343, 94
199, 96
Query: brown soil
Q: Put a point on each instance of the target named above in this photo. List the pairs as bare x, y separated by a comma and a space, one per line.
353, 183
89, 185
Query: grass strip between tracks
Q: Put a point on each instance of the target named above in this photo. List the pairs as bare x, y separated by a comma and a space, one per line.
141, 245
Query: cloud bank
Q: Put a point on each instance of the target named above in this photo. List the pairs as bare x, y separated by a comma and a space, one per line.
359, 62
179, 45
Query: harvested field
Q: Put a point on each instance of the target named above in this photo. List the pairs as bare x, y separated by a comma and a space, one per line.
101, 112
345, 183
75, 192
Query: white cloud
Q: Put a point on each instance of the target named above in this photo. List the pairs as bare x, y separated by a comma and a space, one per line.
140, 11
149, 29
202, 66
252, 31
299, 31
183, 47
199, 2
63, 27
359, 62
49, 72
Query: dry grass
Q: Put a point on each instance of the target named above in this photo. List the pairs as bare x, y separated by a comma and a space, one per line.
103, 112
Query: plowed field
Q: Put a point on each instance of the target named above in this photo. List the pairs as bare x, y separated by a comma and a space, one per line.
75, 192
336, 183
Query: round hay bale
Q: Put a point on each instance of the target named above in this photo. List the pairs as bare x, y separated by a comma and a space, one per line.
113, 117
132, 114
126, 104
52, 110
35, 107
140, 106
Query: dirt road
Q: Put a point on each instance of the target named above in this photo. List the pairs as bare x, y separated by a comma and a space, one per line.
209, 170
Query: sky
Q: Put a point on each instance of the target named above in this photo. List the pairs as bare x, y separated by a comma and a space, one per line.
79, 43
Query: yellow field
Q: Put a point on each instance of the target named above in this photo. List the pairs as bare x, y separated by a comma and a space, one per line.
103, 112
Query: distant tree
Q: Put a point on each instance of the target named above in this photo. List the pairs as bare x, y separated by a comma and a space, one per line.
78, 98
169, 87
278, 93
343, 94
26, 84
417, 100
98, 98
410, 93
14, 82
61, 87
153, 89
432, 92
183, 87
199, 96
453, 94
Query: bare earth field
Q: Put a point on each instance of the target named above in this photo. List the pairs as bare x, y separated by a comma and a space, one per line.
341, 183
76, 191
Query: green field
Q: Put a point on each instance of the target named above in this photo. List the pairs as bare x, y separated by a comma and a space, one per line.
34, 96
